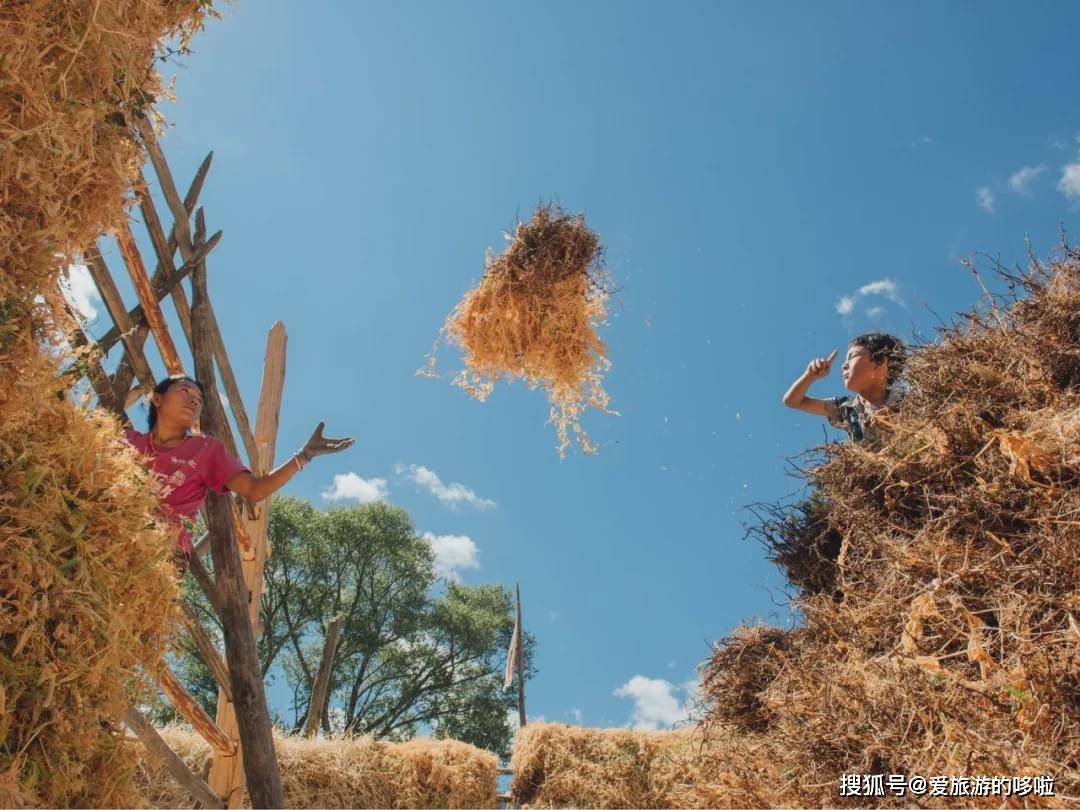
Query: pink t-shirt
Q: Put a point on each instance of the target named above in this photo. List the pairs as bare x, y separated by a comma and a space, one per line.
186, 472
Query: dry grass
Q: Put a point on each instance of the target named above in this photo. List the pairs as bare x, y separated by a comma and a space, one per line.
343, 773
534, 317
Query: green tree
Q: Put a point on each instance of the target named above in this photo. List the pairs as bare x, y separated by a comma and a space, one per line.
413, 652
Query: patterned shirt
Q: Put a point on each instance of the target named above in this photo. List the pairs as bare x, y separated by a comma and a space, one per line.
855, 415
186, 473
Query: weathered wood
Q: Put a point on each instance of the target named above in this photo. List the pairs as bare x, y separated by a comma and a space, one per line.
227, 773
184, 703
211, 657
154, 317
321, 688
161, 287
245, 675
99, 271
520, 659
177, 768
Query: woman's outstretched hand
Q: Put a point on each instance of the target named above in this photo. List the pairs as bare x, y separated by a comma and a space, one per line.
319, 445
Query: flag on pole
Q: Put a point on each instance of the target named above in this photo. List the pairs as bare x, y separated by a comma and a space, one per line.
511, 658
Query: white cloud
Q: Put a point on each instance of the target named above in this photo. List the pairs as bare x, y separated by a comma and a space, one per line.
451, 494
80, 291
351, 487
656, 705
885, 286
1020, 180
845, 305
985, 199
453, 554
575, 715
875, 312
1069, 184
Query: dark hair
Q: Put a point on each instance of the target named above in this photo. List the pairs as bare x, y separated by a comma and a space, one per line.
884, 348
164, 386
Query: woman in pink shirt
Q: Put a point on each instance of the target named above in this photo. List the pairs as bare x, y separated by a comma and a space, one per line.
188, 465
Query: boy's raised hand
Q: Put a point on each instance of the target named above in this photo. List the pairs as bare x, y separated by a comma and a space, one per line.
819, 367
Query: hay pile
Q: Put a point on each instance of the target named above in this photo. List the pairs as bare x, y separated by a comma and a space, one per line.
534, 317
85, 587
942, 637
341, 773
557, 765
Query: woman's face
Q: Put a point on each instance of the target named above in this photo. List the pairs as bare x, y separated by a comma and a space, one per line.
861, 374
180, 405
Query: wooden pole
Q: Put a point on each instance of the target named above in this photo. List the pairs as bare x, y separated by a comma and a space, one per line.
321, 687
211, 657
188, 779
245, 675
520, 659
227, 772
190, 709
106, 287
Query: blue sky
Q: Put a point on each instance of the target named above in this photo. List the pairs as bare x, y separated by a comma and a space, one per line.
750, 168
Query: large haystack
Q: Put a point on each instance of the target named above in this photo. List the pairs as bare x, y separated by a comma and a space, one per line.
942, 638
355, 772
534, 317
84, 583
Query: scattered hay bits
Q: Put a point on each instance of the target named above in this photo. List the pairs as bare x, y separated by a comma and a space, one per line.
534, 316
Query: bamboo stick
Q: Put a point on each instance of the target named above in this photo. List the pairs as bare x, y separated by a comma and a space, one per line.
103, 280
321, 687
154, 317
188, 779
184, 703
211, 657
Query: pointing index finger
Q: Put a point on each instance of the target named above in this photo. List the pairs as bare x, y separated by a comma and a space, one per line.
832, 356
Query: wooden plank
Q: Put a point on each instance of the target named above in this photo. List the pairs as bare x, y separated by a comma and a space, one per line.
227, 773
211, 657
177, 768
322, 681
99, 271
260, 766
154, 317
520, 659
190, 709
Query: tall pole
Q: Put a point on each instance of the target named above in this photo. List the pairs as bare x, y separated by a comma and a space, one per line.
520, 659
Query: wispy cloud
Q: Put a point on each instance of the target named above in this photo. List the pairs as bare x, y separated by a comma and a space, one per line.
656, 704
985, 199
886, 287
875, 312
575, 715
1020, 181
81, 292
1069, 184
450, 494
351, 487
454, 553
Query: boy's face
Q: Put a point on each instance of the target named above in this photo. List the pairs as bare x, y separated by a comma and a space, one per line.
861, 374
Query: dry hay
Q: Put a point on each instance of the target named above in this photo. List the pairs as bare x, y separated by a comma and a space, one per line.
534, 315
85, 587
350, 772
86, 594
951, 643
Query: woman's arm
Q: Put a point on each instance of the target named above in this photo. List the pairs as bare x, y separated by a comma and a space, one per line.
259, 487
796, 395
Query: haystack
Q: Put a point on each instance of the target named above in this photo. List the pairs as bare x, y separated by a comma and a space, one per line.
534, 317
346, 773
946, 638
85, 585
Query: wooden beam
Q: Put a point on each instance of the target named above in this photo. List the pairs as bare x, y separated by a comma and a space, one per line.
321, 688
245, 675
190, 709
161, 287
187, 779
227, 773
520, 659
211, 657
103, 280
154, 317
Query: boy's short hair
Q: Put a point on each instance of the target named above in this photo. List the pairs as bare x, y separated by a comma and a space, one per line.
884, 347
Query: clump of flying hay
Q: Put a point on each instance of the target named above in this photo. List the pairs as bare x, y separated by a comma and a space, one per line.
350, 772
534, 316
87, 592
557, 765
85, 584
